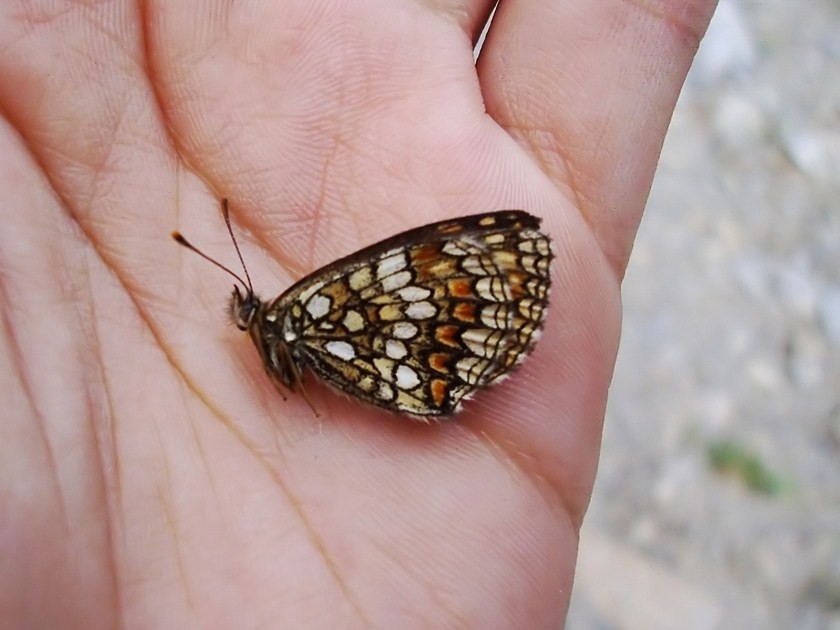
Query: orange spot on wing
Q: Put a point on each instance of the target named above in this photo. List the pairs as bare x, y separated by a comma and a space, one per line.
515, 280
460, 287
438, 361
438, 389
447, 335
452, 228
424, 254
465, 311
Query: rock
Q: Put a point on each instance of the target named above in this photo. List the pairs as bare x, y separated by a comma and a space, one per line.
814, 151
738, 121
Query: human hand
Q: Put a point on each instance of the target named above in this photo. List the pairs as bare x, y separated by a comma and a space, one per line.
151, 474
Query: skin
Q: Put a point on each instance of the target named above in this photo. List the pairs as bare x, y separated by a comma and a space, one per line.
150, 474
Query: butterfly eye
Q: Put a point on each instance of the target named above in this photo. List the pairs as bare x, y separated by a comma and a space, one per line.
243, 308
243, 318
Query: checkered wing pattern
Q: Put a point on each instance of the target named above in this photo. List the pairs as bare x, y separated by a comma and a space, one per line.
418, 322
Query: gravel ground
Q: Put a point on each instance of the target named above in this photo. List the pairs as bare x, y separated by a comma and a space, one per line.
717, 503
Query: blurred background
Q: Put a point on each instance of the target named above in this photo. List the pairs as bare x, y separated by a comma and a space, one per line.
717, 503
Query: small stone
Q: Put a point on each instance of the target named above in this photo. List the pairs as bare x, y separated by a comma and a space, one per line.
814, 152
738, 121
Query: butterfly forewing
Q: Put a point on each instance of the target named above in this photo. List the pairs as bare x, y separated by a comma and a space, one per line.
420, 321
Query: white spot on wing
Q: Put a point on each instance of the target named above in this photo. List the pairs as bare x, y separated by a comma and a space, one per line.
473, 265
483, 343
421, 310
395, 349
414, 294
470, 369
452, 249
407, 378
493, 289
318, 306
404, 330
391, 265
310, 291
341, 349
396, 281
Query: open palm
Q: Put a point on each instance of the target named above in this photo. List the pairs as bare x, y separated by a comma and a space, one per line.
150, 474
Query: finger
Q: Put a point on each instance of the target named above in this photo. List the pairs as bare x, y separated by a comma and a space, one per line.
588, 88
299, 114
74, 86
470, 15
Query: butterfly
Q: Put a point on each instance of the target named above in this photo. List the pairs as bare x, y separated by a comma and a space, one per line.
416, 323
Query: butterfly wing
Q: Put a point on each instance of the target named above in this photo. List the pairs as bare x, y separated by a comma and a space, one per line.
418, 322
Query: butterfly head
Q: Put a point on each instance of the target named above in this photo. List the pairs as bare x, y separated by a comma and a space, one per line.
244, 307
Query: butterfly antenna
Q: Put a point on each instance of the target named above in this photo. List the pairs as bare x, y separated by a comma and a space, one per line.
179, 238
226, 215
